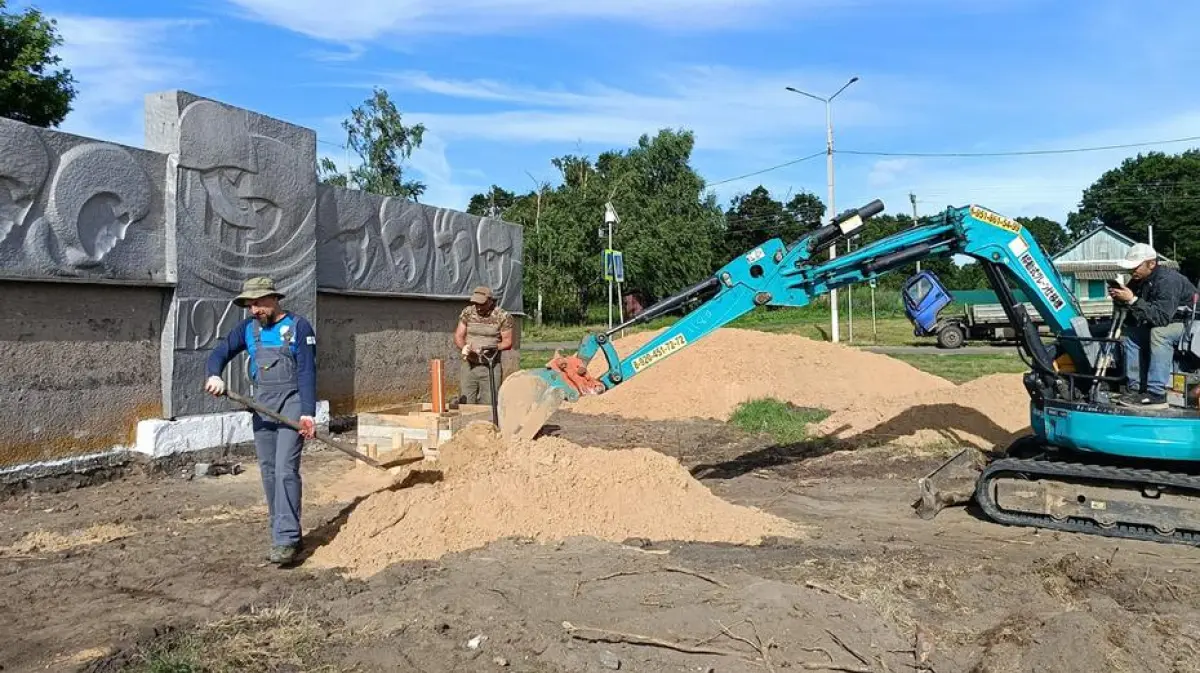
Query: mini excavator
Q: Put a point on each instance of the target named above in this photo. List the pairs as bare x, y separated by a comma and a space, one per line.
1090, 463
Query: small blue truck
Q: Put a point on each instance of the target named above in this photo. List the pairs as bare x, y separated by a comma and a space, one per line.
925, 297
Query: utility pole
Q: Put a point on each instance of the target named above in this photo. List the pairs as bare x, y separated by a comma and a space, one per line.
833, 295
537, 234
610, 218
913, 199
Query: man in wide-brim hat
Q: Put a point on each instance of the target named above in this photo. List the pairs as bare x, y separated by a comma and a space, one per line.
282, 350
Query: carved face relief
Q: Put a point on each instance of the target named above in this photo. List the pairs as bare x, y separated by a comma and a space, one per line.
24, 167
497, 250
408, 240
247, 197
455, 255
97, 193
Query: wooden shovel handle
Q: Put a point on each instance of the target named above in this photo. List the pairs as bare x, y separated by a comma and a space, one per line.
296, 426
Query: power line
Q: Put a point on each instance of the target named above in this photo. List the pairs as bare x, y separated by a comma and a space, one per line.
1013, 153
767, 170
1018, 153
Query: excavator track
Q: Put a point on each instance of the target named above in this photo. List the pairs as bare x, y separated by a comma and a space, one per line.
1097, 499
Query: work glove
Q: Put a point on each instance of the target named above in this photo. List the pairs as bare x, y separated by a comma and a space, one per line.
215, 386
308, 427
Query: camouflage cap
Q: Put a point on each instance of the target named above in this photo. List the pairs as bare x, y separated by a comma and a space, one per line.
481, 295
257, 288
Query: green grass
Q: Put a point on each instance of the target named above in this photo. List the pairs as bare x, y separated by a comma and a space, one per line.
786, 423
885, 331
963, 368
812, 320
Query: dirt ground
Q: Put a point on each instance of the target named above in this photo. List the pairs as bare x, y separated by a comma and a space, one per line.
166, 570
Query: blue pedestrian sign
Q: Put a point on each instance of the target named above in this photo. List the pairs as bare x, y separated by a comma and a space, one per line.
614, 266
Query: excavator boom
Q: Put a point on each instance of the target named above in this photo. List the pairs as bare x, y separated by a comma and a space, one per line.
1084, 466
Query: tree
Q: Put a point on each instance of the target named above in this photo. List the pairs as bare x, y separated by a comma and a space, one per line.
1050, 235
1154, 189
29, 91
755, 217
806, 209
491, 203
377, 134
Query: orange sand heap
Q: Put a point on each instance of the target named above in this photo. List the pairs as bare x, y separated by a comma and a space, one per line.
986, 412
548, 489
711, 377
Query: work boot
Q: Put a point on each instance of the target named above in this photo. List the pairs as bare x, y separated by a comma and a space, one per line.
283, 554
1153, 399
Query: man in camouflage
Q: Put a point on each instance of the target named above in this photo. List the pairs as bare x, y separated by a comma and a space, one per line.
484, 331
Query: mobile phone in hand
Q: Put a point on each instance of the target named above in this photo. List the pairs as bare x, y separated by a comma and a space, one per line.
1114, 284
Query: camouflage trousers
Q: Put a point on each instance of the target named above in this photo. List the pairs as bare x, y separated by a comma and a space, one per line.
475, 385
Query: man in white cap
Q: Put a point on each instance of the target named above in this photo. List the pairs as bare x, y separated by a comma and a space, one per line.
484, 331
1153, 325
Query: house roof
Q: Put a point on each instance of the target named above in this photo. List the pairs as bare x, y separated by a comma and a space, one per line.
1104, 263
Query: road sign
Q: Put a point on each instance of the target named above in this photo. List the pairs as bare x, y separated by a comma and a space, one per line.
614, 266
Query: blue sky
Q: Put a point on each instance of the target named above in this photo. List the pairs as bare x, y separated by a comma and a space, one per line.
505, 85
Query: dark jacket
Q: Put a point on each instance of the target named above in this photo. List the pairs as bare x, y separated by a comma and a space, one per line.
1159, 296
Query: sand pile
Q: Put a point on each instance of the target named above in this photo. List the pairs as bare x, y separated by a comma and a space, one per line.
711, 377
988, 411
549, 489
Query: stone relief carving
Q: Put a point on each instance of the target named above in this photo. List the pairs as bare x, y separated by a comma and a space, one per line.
247, 210
245, 205
76, 208
24, 166
98, 192
226, 194
408, 248
408, 238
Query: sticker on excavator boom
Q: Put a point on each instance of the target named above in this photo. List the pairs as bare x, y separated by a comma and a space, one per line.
1042, 281
659, 352
755, 255
995, 219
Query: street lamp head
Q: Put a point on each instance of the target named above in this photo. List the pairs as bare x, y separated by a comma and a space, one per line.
854, 79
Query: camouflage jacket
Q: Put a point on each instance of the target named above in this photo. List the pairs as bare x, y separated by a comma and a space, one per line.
483, 331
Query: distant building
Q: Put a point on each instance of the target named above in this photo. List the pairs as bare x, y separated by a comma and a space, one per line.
1092, 259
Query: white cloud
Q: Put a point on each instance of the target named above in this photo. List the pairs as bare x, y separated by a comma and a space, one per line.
728, 109
116, 62
358, 20
354, 20
442, 187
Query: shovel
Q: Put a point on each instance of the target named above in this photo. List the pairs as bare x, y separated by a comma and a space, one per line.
296, 426
489, 357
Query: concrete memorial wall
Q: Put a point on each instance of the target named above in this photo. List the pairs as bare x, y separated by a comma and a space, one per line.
118, 267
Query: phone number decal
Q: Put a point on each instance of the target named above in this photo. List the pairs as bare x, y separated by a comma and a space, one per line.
660, 351
995, 219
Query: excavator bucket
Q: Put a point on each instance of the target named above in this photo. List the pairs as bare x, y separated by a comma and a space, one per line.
951, 483
526, 400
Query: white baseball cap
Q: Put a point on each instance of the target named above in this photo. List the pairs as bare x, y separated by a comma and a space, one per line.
1138, 253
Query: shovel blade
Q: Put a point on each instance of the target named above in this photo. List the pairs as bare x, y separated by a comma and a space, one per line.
526, 400
951, 484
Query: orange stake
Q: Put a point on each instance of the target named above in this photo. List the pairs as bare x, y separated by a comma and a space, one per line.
435, 375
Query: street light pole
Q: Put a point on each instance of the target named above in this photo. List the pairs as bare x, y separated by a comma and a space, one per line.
830, 210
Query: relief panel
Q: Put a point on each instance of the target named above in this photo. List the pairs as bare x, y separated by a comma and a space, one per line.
73, 208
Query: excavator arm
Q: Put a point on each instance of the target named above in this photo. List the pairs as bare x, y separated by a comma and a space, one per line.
775, 274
